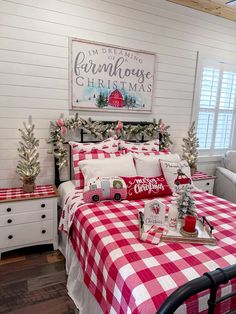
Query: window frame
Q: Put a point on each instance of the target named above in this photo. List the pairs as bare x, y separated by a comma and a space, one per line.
228, 64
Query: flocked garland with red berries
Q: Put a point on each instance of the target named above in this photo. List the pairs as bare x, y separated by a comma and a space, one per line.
102, 130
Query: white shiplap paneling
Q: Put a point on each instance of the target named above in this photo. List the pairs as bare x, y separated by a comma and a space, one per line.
34, 62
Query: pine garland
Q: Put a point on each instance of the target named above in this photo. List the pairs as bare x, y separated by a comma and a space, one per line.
28, 166
190, 146
186, 202
101, 130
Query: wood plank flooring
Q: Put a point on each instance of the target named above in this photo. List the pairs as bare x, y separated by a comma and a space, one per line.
33, 280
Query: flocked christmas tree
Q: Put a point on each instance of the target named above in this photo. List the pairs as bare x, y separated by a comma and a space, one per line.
28, 166
190, 146
186, 202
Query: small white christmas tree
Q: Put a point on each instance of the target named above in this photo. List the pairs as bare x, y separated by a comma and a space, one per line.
190, 146
28, 166
186, 202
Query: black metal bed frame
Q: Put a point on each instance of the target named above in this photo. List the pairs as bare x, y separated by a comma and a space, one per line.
210, 280
81, 139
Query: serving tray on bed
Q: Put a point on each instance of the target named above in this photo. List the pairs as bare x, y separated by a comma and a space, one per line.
202, 236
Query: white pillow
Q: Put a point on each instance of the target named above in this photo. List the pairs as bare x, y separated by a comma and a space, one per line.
149, 166
108, 167
171, 173
149, 146
109, 145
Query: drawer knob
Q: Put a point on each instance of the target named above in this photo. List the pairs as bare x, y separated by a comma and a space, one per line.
43, 231
207, 191
43, 205
208, 183
9, 209
10, 237
43, 216
9, 221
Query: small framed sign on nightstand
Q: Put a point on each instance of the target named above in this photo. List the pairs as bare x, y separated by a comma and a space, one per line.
204, 181
28, 219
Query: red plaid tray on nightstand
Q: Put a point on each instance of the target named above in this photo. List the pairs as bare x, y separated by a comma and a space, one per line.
15, 194
198, 175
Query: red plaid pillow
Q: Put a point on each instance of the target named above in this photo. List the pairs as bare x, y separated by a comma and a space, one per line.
95, 154
141, 187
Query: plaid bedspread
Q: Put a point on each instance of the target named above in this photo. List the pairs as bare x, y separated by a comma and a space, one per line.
129, 276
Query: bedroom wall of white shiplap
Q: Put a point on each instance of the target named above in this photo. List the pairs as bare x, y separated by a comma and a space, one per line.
34, 63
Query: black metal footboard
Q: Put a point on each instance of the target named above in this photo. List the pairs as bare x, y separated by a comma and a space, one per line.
210, 280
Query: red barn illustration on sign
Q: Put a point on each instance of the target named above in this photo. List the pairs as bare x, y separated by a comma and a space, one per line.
116, 99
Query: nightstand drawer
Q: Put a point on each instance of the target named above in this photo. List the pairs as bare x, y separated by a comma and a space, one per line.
27, 206
25, 234
205, 185
26, 217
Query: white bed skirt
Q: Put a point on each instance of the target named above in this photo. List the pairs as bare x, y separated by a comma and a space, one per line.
77, 290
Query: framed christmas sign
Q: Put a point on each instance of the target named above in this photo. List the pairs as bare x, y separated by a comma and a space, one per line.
154, 214
110, 78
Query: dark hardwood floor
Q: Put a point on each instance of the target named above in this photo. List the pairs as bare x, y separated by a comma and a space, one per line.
33, 281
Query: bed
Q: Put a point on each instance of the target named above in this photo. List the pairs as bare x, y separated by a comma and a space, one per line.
110, 270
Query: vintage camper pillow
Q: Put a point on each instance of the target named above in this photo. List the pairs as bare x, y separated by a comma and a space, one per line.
105, 188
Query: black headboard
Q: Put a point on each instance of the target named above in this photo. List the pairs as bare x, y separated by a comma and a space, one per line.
81, 138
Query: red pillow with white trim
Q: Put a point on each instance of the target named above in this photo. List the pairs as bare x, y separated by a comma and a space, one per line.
95, 154
141, 187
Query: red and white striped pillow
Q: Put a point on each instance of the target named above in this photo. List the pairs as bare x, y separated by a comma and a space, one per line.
149, 146
94, 154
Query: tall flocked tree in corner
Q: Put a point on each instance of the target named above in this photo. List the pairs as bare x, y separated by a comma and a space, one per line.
190, 146
28, 166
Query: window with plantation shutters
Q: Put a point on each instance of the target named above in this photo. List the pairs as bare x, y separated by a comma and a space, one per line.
216, 104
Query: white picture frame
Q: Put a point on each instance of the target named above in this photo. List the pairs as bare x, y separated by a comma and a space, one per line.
110, 78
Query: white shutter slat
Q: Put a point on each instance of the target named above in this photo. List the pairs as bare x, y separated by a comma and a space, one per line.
209, 87
205, 129
228, 90
223, 131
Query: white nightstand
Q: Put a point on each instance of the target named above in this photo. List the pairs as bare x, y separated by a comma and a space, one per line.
28, 219
204, 181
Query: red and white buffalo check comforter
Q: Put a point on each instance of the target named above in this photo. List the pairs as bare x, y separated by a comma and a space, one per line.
129, 276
